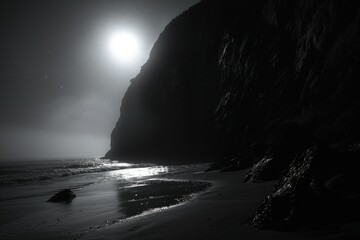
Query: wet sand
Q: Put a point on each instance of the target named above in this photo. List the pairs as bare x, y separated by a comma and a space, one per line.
221, 212
103, 199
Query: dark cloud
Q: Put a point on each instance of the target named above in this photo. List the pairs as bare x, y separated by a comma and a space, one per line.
60, 92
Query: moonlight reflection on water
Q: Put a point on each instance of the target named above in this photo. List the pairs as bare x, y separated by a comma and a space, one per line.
140, 172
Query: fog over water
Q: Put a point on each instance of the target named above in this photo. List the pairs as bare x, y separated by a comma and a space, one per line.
60, 87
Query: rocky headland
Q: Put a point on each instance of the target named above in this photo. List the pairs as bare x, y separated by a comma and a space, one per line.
270, 85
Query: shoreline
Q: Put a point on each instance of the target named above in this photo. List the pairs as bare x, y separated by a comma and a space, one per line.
103, 199
220, 212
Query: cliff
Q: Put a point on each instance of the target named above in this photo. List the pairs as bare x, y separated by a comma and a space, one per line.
268, 84
226, 73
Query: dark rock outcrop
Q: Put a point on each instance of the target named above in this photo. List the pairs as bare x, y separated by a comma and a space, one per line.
65, 196
283, 143
252, 155
319, 190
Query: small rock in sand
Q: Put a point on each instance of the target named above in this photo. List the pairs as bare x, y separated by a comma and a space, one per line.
65, 195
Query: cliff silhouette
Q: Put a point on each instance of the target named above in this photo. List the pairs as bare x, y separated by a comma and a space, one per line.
271, 85
225, 73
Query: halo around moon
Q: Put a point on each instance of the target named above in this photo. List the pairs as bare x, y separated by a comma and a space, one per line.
124, 47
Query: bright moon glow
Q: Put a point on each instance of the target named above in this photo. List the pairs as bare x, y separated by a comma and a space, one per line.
124, 47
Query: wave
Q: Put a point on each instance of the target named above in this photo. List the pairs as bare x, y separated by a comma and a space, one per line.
68, 168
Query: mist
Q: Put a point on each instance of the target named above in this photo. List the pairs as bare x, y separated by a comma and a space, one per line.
61, 90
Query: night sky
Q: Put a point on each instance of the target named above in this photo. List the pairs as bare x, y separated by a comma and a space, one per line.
61, 89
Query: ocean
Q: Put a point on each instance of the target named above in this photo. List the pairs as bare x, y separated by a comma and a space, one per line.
108, 192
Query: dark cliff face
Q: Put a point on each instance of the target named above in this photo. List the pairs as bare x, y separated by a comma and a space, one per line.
225, 75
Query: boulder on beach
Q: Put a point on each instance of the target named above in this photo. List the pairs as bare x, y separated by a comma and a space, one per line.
65, 195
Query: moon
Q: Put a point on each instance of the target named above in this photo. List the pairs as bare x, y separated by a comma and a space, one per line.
124, 47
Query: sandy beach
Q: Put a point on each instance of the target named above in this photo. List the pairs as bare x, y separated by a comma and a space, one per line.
157, 202
221, 212
106, 193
